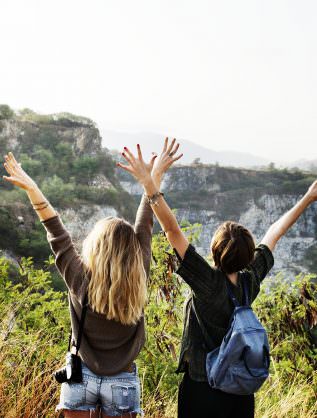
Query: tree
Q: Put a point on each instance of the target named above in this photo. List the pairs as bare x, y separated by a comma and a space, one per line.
6, 112
271, 166
196, 161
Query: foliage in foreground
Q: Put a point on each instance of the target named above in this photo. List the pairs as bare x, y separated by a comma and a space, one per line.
34, 329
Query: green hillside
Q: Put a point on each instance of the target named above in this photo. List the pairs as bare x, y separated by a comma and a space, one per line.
63, 154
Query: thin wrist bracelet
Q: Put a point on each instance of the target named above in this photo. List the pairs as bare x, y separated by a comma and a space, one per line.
153, 200
40, 206
44, 207
40, 203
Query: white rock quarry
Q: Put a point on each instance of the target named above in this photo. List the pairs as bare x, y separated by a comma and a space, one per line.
290, 250
79, 222
132, 188
260, 214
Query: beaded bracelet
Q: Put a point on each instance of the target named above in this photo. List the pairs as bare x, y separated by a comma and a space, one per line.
153, 200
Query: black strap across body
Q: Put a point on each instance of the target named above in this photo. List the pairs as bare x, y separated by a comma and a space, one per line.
72, 372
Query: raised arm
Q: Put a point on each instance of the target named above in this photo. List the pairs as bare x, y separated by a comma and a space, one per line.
67, 260
19, 178
143, 228
144, 221
281, 226
142, 172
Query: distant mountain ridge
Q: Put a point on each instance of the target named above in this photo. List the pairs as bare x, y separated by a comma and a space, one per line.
116, 140
303, 164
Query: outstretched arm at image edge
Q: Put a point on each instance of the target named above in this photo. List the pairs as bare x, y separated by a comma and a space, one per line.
282, 225
67, 259
18, 177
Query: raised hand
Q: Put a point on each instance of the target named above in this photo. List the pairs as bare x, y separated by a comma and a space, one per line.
165, 159
18, 176
137, 166
145, 174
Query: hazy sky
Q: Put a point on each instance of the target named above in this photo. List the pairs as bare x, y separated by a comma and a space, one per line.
239, 74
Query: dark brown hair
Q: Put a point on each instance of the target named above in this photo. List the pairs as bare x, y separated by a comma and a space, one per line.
232, 247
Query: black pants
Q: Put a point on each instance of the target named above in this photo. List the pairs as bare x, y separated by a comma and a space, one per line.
199, 400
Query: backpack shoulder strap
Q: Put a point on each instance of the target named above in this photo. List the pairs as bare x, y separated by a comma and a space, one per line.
231, 294
244, 289
209, 341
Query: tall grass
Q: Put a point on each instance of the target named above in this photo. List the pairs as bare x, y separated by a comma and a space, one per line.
27, 390
34, 326
282, 398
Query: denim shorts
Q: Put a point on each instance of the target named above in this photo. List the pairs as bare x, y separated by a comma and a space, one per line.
116, 395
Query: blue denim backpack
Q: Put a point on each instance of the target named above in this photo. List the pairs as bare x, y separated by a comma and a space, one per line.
241, 364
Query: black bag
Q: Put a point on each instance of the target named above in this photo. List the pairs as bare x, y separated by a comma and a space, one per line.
72, 372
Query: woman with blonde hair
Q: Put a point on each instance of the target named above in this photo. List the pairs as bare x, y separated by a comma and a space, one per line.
107, 295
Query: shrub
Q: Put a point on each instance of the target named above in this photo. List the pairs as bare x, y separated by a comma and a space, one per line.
33, 338
6, 112
35, 321
59, 192
34, 242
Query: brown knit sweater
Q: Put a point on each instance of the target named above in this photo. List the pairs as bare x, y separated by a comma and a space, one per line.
107, 346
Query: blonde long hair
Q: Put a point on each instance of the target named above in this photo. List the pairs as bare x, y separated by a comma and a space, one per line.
113, 257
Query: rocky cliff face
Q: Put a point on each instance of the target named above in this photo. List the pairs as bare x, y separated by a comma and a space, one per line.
206, 194
83, 135
210, 195
63, 153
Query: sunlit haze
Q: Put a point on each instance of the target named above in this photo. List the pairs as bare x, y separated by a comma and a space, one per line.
229, 75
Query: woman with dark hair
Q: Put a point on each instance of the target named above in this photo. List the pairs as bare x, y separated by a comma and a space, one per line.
109, 278
235, 256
